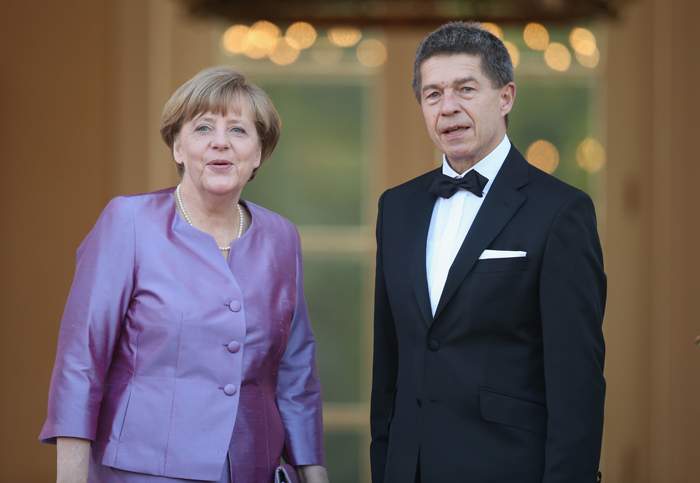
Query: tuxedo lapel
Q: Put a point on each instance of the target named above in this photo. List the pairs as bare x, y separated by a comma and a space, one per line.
423, 203
502, 201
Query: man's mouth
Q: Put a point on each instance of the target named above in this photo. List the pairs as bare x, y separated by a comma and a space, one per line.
453, 129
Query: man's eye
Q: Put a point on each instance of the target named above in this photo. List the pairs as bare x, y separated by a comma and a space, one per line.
432, 95
466, 89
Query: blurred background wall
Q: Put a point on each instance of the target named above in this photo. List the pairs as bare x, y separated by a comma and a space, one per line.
82, 86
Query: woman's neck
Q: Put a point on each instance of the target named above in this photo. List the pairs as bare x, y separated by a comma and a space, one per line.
208, 203
212, 213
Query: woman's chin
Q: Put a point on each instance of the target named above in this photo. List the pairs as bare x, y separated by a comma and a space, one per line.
220, 187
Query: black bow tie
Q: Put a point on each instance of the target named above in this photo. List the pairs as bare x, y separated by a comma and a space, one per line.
445, 187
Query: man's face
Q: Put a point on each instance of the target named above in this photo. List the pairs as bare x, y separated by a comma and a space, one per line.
463, 111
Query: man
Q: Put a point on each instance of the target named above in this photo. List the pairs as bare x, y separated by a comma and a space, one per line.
490, 292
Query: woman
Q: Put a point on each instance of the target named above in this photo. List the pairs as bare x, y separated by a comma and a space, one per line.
185, 350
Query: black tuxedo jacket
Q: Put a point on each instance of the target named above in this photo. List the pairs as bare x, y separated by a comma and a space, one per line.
505, 384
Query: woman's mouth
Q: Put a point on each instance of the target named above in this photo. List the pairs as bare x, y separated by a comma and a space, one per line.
219, 164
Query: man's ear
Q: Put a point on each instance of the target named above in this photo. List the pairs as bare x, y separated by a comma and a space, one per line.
507, 98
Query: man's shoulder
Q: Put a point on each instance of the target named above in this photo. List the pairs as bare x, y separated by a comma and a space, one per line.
418, 184
551, 193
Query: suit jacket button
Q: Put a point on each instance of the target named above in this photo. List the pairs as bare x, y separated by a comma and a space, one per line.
234, 306
433, 344
233, 346
419, 402
230, 389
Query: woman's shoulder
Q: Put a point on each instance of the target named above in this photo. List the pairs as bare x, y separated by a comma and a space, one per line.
136, 203
124, 211
270, 220
141, 199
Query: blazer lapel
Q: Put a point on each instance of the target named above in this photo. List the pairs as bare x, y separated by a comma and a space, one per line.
423, 204
502, 201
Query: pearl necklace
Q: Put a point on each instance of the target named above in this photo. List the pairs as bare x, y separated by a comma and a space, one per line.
181, 205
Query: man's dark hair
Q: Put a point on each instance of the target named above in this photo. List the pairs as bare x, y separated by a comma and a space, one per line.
465, 38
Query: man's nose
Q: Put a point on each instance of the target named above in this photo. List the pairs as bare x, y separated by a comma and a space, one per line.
449, 104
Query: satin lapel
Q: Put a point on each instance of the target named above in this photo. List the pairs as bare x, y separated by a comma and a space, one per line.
501, 203
423, 204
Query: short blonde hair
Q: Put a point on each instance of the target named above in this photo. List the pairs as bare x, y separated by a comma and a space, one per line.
216, 90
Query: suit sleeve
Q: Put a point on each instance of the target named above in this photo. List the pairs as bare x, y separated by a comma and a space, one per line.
572, 301
91, 324
385, 363
298, 386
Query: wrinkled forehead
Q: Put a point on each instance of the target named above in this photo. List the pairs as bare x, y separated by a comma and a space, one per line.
452, 64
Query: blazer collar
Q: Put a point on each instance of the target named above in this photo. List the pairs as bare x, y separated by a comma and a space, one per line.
501, 203
422, 203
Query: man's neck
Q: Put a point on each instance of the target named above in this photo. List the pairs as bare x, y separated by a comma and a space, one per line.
461, 166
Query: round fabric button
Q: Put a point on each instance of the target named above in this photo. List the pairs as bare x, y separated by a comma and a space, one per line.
234, 305
230, 389
233, 346
433, 344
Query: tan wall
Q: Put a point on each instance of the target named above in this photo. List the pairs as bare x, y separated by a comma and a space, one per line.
82, 86
56, 163
80, 95
652, 235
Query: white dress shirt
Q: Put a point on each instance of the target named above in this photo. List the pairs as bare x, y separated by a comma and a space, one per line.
452, 217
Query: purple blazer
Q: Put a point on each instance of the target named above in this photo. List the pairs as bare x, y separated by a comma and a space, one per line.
169, 356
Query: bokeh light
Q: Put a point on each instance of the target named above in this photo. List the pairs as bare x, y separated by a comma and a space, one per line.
301, 35
344, 36
371, 53
543, 155
284, 53
590, 155
262, 37
583, 41
255, 52
557, 57
536, 36
513, 51
590, 61
235, 39
493, 28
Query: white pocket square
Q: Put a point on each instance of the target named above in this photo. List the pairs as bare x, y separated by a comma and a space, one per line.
490, 254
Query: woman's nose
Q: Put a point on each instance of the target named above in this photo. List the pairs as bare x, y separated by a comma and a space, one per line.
220, 140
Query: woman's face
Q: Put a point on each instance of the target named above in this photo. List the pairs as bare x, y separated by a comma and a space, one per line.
219, 152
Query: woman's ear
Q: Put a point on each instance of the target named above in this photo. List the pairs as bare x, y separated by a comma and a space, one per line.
177, 151
258, 161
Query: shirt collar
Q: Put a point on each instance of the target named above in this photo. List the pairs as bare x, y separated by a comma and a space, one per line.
488, 166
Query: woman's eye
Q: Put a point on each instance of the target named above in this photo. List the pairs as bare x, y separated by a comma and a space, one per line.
202, 128
238, 130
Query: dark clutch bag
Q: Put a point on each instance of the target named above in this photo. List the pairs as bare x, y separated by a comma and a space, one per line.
286, 474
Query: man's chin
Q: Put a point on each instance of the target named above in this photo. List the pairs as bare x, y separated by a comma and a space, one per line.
458, 156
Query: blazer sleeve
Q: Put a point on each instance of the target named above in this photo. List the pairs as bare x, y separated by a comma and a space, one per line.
90, 327
572, 301
385, 364
298, 386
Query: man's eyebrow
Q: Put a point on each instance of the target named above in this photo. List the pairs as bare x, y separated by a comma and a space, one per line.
464, 80
456, 82
430, 86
